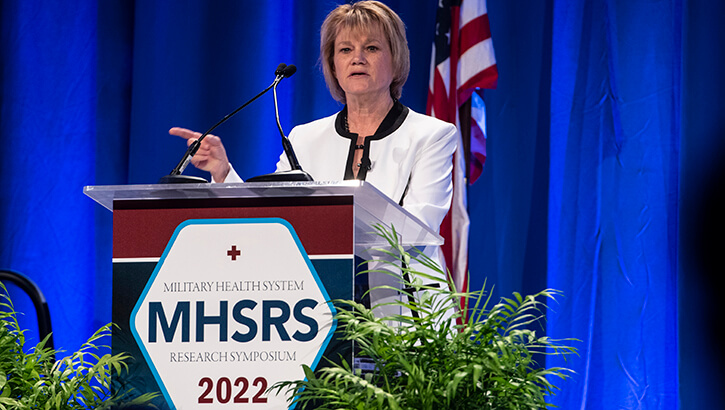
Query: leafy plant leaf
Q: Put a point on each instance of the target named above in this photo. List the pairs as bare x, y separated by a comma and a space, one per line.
35, 380
429, 361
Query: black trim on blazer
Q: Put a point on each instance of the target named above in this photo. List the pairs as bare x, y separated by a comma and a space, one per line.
393, 120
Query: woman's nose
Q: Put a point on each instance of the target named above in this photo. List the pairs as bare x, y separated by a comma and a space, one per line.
358, 57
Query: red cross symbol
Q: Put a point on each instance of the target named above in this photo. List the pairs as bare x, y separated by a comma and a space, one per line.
234, 252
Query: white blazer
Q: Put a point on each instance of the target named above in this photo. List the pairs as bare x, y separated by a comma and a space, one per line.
411, 161
418, 154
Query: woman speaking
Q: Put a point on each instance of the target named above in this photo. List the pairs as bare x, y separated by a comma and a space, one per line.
406, 155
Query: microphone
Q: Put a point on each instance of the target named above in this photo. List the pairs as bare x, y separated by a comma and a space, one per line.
280, 69
175, 177
288, 70
366, 163
296, 173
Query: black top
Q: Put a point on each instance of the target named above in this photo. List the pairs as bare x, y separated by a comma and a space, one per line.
397, 114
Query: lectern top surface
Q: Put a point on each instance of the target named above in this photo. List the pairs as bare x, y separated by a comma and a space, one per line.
107, 194
371, 206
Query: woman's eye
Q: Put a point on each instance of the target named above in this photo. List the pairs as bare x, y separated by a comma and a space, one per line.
372, 48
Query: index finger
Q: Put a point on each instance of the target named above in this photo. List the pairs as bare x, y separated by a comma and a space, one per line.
184, 133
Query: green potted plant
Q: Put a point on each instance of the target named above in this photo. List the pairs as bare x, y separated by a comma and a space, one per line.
441, 357
36, 380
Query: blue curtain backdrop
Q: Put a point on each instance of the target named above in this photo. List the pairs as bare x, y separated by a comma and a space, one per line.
613, 184
604, 176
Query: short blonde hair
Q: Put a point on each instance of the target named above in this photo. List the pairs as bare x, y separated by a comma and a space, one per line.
362, 16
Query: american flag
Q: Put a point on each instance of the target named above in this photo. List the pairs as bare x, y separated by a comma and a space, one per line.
463, 61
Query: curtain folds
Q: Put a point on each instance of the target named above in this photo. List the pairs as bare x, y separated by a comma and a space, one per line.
613, 199
596, 135
48, 137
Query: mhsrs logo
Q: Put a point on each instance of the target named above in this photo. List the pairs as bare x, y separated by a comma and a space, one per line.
182, 318
232, 307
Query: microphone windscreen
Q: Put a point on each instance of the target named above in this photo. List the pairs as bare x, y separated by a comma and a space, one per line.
289, 70
280, 69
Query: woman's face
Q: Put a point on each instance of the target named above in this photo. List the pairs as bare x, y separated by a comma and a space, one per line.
363, 63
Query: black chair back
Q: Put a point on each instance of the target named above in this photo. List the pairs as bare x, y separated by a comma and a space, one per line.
36, 296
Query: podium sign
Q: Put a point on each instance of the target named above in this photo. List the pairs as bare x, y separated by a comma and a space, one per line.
208, 319
221, 290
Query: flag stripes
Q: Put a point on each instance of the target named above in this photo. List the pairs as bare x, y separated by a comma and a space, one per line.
462, 61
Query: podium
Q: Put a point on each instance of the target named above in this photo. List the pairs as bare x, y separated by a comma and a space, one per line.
221, 290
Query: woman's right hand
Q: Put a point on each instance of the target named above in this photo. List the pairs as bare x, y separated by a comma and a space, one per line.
211, 156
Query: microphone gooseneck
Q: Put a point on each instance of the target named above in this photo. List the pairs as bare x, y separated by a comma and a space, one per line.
282, 71
291, 157
296, 173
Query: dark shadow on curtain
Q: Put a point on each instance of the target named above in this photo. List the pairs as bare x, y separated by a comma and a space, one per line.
702, 201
